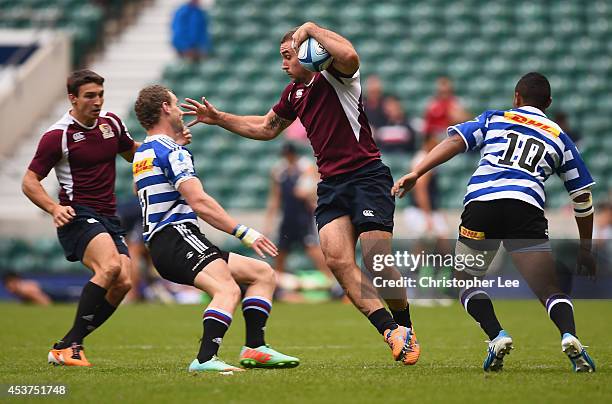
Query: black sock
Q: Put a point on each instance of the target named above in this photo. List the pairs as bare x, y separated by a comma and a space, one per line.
103, 312
255, 310
478, 304
91, 297
402, 317
561, 312
382, 320
216, 323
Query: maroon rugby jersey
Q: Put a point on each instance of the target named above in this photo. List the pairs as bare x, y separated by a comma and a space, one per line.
330, 109
84, 159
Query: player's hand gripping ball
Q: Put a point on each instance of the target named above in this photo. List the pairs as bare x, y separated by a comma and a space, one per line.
313, 56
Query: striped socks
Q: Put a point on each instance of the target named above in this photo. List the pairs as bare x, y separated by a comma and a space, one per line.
255, 310
561, 312
216, 323
478, 305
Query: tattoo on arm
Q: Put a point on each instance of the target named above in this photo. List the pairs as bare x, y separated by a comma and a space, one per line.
278, 122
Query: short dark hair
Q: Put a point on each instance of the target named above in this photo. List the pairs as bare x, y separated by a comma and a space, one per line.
8, 276
288, 35
535, 90
82, 77
148, 104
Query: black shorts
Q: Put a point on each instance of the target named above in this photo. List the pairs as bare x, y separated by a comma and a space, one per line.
87, 224
180, 251
297, 234
520, 225
363, 194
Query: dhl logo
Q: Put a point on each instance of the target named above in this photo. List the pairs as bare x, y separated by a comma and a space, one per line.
522, 119
471, 234
142, 166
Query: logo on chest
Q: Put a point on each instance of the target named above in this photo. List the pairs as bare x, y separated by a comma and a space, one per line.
107, 131
77, 137
299, 93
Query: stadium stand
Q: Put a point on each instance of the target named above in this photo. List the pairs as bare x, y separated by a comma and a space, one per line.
408, 44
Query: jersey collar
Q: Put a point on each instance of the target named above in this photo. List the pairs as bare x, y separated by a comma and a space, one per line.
151, 138
70, 116
532, 110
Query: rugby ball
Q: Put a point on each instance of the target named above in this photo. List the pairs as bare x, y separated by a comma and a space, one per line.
313, 56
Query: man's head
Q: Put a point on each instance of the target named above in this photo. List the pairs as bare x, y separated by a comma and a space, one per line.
289, 152
157, 105
533, 89
10, 279
444, 87
86, 93
392, 106
374, 87
291, 65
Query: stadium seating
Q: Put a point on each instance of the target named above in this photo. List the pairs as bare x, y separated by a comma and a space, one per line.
84, 20
483, 46
408, 43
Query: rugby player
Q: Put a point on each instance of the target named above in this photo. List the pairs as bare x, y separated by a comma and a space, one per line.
520, 148
172, 199
353, 198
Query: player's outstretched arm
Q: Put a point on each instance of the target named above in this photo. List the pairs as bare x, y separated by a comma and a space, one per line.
209, 210
33, 189
346, 59
444, 151
265, 127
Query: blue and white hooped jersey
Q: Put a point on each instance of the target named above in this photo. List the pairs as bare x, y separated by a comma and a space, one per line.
520, 148
160, 166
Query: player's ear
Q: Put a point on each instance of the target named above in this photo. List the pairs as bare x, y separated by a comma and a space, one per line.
72, 98
518, 100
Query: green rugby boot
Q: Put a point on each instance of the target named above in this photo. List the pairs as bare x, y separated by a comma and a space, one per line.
266, 357
213, 365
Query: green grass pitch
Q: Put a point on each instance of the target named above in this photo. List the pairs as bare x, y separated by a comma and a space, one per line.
142, 353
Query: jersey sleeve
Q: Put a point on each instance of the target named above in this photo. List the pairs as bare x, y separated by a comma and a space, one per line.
572, 169
283, 107
179, 167
48, 153
126, 142
472, 132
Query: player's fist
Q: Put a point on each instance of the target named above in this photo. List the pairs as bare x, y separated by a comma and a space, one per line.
62, 215
185, 138
203, 112
404, 184
586, 263
300, 35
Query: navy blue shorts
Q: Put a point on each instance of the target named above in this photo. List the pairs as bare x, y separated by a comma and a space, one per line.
363, 194
297, 234
87, 224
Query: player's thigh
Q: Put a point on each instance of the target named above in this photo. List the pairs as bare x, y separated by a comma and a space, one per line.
101, 252
538, 269
338, 240
216, 278
247, 270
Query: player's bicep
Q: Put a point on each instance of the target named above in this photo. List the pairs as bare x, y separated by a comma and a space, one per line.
179, 167
274, 124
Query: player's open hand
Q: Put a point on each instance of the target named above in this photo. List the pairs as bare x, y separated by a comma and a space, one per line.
62, 215
300, 35
586, 263
263, 246
404, 184
185, 138
203, 112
